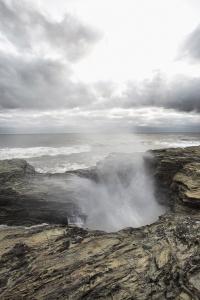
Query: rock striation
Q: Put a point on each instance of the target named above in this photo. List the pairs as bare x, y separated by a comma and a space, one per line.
30, 198
157, 261
160, 261
177, 177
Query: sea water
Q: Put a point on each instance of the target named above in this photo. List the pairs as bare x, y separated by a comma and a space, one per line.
122, 196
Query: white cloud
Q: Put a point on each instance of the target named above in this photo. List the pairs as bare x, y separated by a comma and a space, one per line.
49, 78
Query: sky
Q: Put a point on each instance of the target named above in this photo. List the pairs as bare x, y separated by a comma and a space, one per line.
91, 65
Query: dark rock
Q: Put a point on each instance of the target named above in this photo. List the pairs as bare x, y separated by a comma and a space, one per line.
29, 198
19, 250
177, 176
122, 265
158, 261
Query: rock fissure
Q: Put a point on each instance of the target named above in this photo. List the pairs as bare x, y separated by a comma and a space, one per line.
60, 261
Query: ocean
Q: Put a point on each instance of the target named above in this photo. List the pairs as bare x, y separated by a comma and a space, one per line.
124, 194
57, 153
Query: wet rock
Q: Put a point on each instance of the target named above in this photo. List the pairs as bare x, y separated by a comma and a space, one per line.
177, 176
10, 169
29, 198
158, 261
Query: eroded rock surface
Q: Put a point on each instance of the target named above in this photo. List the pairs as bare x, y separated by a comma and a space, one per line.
160, 261
28, 198
157, 261
177, 176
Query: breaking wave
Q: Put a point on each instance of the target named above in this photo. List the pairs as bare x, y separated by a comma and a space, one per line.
31, 152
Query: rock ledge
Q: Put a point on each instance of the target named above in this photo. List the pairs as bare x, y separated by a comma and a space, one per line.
157, 261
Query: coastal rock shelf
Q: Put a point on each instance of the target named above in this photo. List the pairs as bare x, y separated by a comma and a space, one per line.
177, 177
160, 261
30, 198
157, 261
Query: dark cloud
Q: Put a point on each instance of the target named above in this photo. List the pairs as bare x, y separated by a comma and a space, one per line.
182, 94
39, 84
191, 46
30, 80
45, 84
34, 88
27, 29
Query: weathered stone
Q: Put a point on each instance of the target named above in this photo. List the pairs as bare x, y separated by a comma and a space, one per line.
158, 261
195, 281
183, 296
28, 198
102, 266
163, 258
177, 176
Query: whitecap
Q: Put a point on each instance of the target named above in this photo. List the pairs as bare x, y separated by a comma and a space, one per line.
31, 152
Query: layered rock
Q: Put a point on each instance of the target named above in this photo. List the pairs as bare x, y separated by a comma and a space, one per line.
157, 261
187, 184
160, 261
28, 198
177, 176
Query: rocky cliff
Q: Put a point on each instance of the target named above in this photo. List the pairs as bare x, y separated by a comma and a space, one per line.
157, 261
177, 177
29, 198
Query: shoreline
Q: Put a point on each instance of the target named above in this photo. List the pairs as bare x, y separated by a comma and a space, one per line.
156, 261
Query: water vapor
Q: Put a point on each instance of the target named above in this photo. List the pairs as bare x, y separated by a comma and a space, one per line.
120, 196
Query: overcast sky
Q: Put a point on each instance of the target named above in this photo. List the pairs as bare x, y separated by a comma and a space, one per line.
86, 65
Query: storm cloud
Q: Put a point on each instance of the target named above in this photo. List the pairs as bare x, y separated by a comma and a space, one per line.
35, 77
181, 93
191, 46
39, 87
39, 84
30, 30
45, 84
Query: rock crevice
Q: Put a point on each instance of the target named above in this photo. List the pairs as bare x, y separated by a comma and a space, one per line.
157, 261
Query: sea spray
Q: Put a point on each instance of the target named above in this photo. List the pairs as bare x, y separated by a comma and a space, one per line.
121, 195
